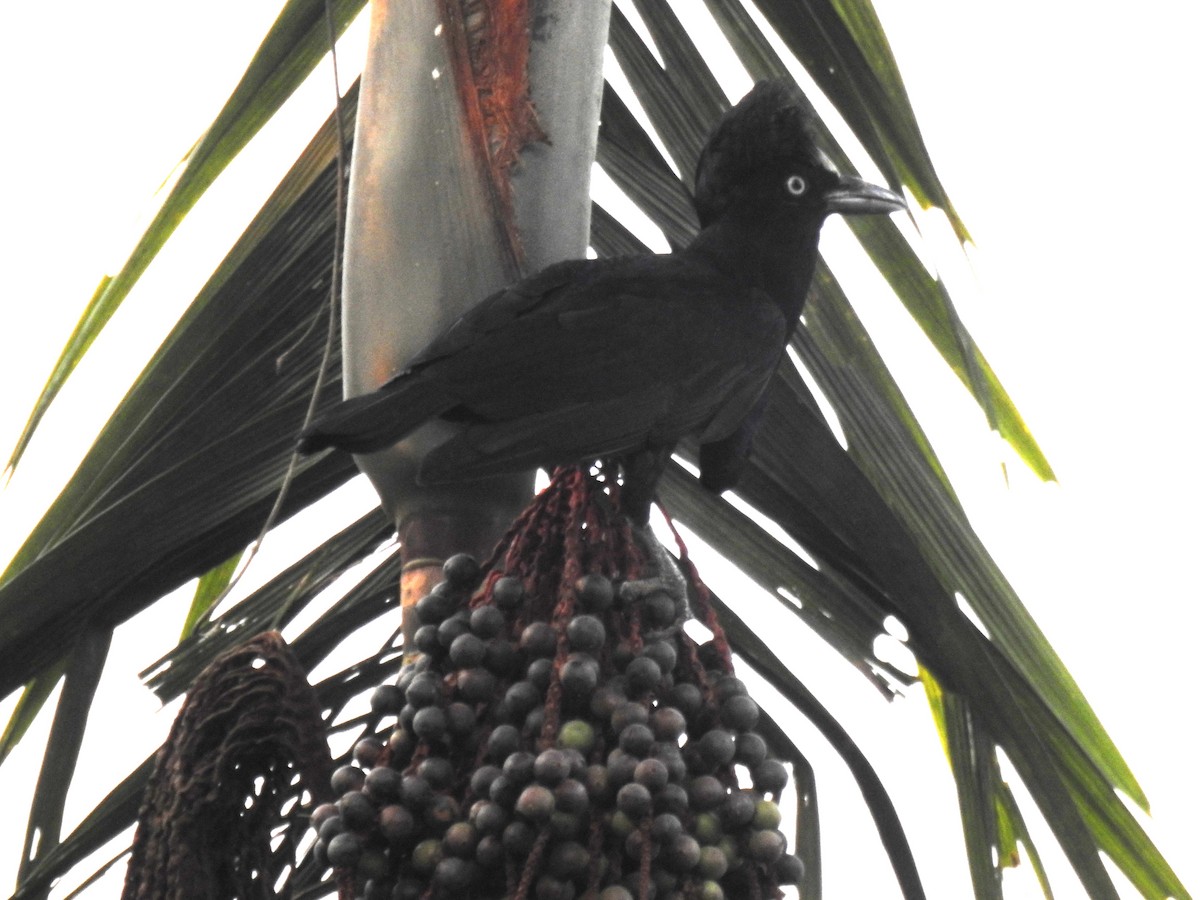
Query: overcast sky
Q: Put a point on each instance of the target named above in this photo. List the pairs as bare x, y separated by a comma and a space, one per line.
1065, 134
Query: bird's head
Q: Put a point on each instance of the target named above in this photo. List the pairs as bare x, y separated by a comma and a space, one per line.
762, 155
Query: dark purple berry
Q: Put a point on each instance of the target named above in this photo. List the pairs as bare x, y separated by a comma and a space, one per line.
539, 639
518, 838
705, 793
595, 780
534, 722
687, 698
666, 827
585, 633
503, 740
507, 592
396, 823
539, 672
622, 653
536, 803
580, 677
425, 690
672, 799
750, 750
333, 825
347, 778
621, 765
770, 776
550, 888
434, 607
672, 758
430, 723
382, 784
486, 621
401, 744
521, 697
460, 840
437, 770
605, 701
570, 796
504, 790
476, 685
663, 653
728, 686
628, 713
738, 809
716, 748
461, 570
356, 809
319, 815
442, 812
659, 609
467, 651
595, 592
641, 675
789, 869
415, 791
652, 773
568, 860
519, 766
387, 699
488, 817
452, 628
454, 875
634, 800
489, 852
766, 846
482, 778
637, 739
551, 766
426, 640
739, 713
344, 850
460, 719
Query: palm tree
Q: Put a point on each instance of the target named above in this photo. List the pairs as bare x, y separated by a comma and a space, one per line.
190, 466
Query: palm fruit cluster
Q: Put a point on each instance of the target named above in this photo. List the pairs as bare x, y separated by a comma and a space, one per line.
559, 736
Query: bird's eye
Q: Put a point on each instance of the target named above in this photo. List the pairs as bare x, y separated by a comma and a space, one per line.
796, 185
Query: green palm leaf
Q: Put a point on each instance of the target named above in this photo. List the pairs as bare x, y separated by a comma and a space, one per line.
182, 476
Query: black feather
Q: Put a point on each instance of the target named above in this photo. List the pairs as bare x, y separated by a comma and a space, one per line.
622, 358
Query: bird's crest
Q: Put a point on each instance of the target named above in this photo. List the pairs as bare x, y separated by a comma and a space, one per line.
772, 126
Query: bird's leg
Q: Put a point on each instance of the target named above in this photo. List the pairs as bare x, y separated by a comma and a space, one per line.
640, 472
661, 576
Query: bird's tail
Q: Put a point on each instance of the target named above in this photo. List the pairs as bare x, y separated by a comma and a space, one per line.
377, 420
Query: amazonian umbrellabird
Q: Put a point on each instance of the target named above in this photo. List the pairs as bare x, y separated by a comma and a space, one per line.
621, 358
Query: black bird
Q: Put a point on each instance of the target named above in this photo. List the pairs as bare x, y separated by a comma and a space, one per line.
622, 358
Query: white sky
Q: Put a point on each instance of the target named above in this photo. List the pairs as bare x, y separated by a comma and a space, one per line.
1063, 132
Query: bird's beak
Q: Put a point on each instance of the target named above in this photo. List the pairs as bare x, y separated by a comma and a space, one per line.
853, 196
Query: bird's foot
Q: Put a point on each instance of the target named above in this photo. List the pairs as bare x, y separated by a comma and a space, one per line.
660, 590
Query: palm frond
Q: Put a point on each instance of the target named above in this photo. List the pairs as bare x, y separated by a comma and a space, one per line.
296, 43
183, 474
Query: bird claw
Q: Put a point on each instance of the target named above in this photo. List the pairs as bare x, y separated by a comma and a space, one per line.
661, 576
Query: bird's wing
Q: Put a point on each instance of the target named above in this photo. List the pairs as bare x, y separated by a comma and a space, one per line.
502, 308
607, 359
560, 436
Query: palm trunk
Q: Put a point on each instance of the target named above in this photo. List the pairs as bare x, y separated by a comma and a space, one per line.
456, 190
